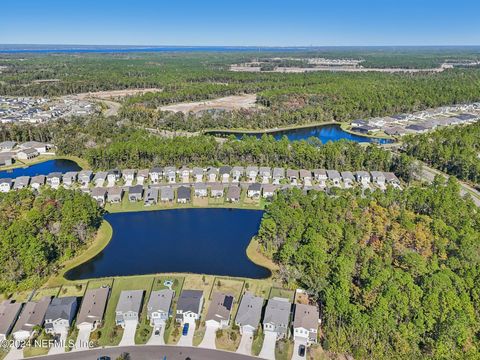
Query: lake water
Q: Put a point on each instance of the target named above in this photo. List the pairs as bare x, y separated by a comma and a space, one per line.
44, 168
204, 241
325, 133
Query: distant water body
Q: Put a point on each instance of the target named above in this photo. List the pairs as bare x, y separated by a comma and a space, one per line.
44, 168
325, 133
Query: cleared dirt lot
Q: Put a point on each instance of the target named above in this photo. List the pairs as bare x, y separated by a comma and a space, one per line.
113, 94
227, 103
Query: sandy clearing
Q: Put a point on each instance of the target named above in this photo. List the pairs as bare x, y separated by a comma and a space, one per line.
228, 103
111, 94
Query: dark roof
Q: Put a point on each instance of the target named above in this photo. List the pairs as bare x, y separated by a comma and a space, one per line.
184, 192
61, 308
255, 187
189, 300
137, 189
233, 192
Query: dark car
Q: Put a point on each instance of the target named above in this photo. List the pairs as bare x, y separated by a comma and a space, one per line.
185, 329
104, 358
301, 351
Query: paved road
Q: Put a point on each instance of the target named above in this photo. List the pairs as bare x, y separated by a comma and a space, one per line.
428, 174
152, 353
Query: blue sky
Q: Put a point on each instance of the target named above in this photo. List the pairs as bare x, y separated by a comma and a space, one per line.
241, 23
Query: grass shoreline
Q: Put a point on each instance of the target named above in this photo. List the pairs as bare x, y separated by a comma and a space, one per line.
44, 158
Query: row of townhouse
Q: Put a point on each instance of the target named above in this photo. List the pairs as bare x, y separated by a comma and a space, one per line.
55, 315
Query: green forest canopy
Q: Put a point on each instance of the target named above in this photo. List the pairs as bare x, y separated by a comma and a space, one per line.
396, 273
454, 150
38, 232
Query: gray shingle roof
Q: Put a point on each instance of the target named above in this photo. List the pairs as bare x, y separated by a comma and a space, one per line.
61, 308
160, 300
189, 300
250, 310
130, 300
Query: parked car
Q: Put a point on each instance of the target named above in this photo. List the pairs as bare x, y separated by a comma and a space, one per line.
185, 329
104, 358
301, 351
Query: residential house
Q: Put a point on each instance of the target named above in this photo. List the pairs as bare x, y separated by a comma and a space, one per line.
158, 307
218, 313
265, 174
292, 176
185, 174
417, 128
142, 176
6, 159
129, 176
21, 182
5, 185
135, 193
184, 194
224, 172
84, 177
320, 176
212, 174
254, 190
197, 174
60, 314
151, 196
378, 178
237, 173
306, 177
216, 190
200, 190
9, 312
54, 179
233, 193
93, 308
166, 194
115, 194
268, 190
305, 323
69, 178
113, 176
171, 174
251, 173
277, 317
391, 179
99, 194
249, 313
348, 178
156, 174
7, 145
100, 178
38, 181
27, 154
128, 307
41, 148
334, 177
32, 316
189, 306
363, 177
278, 175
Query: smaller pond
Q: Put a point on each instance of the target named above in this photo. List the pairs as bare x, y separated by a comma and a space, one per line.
44, 168
202, 241
325, 133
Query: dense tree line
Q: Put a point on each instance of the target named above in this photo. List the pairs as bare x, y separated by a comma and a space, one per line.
454, 150
37, 232
108, 142
396, 274
286, 99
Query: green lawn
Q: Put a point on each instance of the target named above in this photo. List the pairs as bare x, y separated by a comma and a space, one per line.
283, 293
77, 289
50, 291
109, 333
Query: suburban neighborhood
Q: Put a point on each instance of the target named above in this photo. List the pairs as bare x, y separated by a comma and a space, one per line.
201, 316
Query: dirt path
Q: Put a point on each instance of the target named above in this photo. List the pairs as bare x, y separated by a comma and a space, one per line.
228, 103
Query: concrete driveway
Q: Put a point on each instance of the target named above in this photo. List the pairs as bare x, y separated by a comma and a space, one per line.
268, 347
128, 338
59, 346
83, 338
14, 354
187, 340
157, 339
246, 342
208, 340
296, 345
